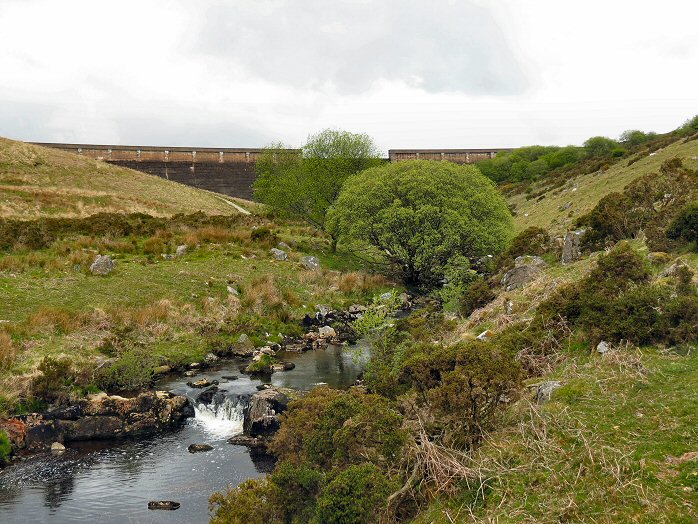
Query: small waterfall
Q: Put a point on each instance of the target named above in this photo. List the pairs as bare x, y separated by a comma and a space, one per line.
223, 416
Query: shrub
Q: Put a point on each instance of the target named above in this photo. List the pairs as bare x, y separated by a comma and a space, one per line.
56, 377
685, 225
531, 241
329, 428
294, 489
418, 214
355, 496
132, 370
477, 295
249, 503
264, 235
5, 448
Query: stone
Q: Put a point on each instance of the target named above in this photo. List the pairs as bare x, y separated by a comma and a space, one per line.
57, 448
545, 391
262, 417
103, 416
169, 505
211, 358
384, 297
283, 246
327, 332
404, 299
356, 309
199, 448
202, 383
571, 250
230, 377
167, 256
485, 335
190, 373
244, 347
603, 347
279, 254
520, 276
658, 257
673, 270
310, 263
207, 395
102, 265
528, 260
247, 441
233, 291
181, 250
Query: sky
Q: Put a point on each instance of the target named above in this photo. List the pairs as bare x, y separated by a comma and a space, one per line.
410, 73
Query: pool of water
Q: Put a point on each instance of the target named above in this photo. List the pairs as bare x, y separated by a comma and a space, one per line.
112, 481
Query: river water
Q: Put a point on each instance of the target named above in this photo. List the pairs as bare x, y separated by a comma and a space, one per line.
112, 481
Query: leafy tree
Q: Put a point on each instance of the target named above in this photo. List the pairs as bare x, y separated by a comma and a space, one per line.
305, 183
691, 124
419, 214
635, 137
600, 146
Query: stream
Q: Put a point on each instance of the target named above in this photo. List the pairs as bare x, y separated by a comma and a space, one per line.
112, 481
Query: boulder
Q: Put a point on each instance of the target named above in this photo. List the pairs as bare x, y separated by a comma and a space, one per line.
673, 270
310, 263
57, 448
528, 260
244, 347
545, 390
279, 254
571, 246
164, 505
520, 276
327, 332
211, 358
102, 265
247, 441
100, 416
199, 448
201, 383
262, 417
181, 250
603, 347
206, 396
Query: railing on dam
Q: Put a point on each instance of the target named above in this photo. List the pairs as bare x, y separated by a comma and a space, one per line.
227, 170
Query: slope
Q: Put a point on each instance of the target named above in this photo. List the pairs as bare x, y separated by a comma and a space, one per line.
39, 182
556, 210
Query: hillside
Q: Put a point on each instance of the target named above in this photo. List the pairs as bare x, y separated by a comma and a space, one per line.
557, 209
41, 182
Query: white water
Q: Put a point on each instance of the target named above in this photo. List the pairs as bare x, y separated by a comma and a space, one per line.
221, 418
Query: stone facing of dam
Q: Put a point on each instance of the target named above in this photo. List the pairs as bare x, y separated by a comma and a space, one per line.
229, 171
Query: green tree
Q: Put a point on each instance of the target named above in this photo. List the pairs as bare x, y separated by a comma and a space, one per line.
635, 137
305, 183
600, 146
419, 214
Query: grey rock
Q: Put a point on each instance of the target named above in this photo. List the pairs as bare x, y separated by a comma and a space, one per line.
283, 246
528, 260
279, 254
199, 448
181, 250
170, 505
603, 347
386, 296
262, 417
327, 332
103, 265
356, 309
210, 358
520, 276
244, 347
57, 448
571, 246
233, 291
545, 390
485, 335
310, 263
673, 269
167, 256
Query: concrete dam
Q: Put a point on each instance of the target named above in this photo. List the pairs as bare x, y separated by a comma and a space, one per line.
229, 171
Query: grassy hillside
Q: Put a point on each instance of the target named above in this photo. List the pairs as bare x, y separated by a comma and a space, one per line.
39, 182
556, 210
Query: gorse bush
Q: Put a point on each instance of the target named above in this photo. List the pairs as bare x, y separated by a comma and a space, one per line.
685, 225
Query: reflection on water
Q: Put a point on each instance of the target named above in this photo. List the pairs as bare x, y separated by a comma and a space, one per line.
112, 481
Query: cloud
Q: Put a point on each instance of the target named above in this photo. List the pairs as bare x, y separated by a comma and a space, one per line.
349, 45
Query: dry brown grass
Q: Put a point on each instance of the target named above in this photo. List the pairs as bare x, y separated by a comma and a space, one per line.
8, 351
264, 297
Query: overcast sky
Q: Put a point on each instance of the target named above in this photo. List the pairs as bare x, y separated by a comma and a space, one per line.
411, 73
